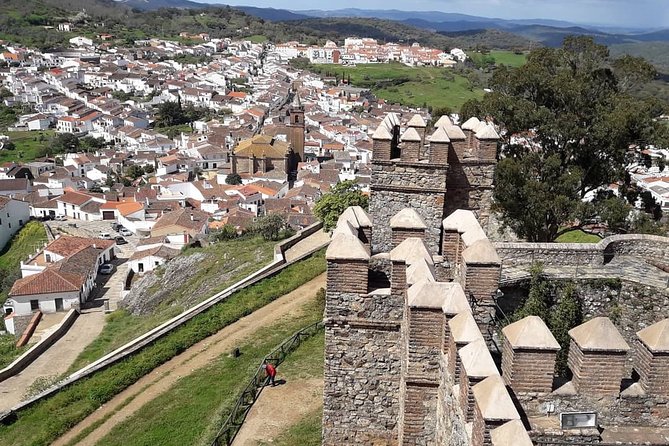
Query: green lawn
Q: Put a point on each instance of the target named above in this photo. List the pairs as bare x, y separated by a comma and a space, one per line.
412, 86
28, 145
229, 261
191, 412
47, 419
508, 58
8, 350
577, 236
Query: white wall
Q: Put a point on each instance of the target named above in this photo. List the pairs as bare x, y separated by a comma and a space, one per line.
13, 216
149, 263
47, 302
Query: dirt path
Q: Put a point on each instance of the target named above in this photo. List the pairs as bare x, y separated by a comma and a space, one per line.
199, 355
278, 408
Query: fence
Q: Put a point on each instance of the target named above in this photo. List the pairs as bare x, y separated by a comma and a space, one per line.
226, 435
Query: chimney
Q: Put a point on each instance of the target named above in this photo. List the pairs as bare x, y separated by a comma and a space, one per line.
652, 358
528, 355
597, 355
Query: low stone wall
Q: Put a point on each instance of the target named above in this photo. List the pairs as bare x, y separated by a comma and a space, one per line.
648, 247
28, 357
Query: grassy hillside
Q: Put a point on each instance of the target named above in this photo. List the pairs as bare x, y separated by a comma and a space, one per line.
227, 261
413, 86
28, 145
33, 22
24, 243
77, 401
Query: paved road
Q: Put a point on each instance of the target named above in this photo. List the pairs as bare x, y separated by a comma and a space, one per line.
61, 355
56, 360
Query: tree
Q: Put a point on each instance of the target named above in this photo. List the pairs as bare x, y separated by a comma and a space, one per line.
331, 205
575, 101
538, 299
149, 168
227, 232
65, 143
566, 315
270, 226
233, 178
135, 171
95, 189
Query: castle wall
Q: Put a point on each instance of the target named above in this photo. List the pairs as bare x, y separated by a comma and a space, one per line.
470, 186
397, 185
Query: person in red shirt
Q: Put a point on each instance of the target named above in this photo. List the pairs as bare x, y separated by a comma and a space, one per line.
270, 371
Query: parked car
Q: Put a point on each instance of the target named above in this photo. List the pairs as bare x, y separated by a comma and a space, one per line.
125, 232
116, 226
107, 268
120, 240
60, 218
105, 235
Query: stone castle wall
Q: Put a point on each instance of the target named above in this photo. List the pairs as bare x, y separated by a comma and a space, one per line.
470, 186
397, 185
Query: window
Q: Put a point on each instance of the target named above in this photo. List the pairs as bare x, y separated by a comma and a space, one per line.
140, 267
20, 222
34, 304
48, 258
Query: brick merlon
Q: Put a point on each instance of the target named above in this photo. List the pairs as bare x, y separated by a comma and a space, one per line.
530, 333
407, 218
656, 337
494, 400
599, 334
346, 247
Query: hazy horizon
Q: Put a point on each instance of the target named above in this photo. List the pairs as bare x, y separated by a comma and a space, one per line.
620, 13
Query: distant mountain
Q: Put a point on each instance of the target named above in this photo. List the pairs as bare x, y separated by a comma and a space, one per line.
275, 15
149, 5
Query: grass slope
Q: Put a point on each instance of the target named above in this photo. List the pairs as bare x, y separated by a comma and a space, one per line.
191, 412
45, 421
229, 261
24, 243
508, 58
412, 86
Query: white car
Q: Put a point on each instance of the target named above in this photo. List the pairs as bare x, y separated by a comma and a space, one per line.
60, 218
125, 232
107, 268
105, 235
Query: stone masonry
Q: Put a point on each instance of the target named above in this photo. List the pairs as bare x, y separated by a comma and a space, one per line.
394, 334
456, 173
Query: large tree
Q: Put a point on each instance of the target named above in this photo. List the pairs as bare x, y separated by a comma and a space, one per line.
568, 121
331, 205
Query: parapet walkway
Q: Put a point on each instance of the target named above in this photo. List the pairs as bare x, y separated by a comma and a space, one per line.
631, 269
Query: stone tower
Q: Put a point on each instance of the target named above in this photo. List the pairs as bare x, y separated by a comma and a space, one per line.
296, 130
451, 169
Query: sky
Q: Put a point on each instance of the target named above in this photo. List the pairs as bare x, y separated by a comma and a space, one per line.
625, 13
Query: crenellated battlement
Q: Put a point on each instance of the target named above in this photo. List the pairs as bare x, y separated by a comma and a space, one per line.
435, 174
407, 348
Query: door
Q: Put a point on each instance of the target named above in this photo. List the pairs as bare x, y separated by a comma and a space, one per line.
140, 267
108, 215
59, 304
34, 305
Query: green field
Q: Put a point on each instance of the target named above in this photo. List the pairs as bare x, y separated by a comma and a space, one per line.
508, 58
28, 145
412, 86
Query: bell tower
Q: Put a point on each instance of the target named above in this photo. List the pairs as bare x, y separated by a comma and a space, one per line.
296, 128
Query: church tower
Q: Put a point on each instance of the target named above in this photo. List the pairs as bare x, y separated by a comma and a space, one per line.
296, 129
